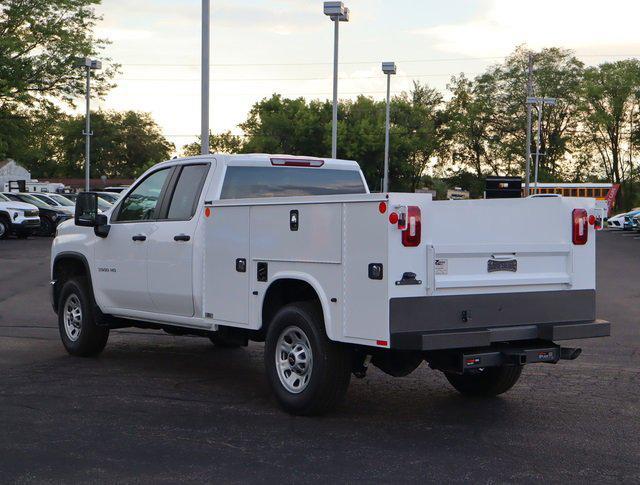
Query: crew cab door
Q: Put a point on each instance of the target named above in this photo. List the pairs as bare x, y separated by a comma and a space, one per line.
121, 258
170, 248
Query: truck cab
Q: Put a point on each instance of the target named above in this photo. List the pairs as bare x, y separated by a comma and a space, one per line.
295, 252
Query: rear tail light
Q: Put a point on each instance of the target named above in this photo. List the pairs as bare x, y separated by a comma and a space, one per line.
411, 233
580, 224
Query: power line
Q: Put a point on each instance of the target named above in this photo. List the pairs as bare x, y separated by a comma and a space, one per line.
263, 64
356, 78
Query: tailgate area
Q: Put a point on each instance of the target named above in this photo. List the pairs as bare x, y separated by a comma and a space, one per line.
493, 271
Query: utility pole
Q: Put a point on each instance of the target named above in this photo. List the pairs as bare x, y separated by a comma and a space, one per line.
89, 65
528, 155
87, 133
204, 120
538, 144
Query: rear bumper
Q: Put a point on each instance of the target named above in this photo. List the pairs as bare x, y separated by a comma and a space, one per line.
485, 337
460, 321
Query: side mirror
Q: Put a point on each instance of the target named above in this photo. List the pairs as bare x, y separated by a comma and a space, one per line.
86, 209
87, 214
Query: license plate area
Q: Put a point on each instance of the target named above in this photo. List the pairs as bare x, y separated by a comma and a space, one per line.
495, 265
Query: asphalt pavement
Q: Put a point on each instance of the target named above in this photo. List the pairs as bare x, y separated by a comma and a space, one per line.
158, 408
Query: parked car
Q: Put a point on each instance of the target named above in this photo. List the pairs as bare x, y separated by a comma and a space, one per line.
110, 197
103, 203
635, 223
616, 222
57, 201
297, 253
116, 189
16, 217
628, 219
50, 216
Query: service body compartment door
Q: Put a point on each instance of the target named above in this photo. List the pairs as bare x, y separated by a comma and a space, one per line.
226, 285
365, 313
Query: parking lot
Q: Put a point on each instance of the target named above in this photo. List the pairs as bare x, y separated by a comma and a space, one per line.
154, 407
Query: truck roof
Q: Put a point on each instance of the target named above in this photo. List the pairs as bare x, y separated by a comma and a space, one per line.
265, 159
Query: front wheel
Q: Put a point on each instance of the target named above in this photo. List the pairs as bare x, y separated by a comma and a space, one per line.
486, 382
47, 227
79, 332
309, 374
5, 227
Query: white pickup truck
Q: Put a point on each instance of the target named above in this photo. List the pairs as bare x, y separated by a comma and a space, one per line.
296, 252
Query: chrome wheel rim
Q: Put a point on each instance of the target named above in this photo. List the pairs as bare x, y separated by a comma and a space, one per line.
72, 317
294, 359
3, 228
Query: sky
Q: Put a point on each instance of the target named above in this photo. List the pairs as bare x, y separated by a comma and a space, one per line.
259, 47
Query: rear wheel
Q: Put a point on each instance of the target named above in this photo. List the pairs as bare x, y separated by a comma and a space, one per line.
309, 374
490, 381
5, 227
76, 320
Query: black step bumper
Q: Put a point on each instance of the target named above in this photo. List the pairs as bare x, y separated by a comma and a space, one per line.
488, 336
479, 320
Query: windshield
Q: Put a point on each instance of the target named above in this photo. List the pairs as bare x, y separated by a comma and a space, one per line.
29, 199
103, 205
111, 198
44, 199
61, 200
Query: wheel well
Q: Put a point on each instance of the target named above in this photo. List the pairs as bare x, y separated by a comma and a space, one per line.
64, 268
285, 291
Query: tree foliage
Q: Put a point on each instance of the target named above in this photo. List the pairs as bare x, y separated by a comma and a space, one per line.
40, 41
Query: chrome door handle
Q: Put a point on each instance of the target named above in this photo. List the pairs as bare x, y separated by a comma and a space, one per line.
181, 237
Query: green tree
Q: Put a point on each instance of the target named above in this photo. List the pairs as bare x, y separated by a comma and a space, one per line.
418, 134
611, 96
225, 142
292, 126
39, 42
124, 144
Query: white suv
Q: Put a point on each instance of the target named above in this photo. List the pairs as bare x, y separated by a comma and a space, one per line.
18, 217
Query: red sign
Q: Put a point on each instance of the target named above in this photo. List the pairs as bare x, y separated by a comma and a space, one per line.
611, 196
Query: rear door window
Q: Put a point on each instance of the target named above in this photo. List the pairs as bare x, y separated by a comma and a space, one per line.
249, 182
187, 192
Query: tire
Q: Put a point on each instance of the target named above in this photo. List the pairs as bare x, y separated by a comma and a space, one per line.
322, 367
488, 382
47, 227
76, 320
5, 227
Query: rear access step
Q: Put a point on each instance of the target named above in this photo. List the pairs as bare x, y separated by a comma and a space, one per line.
460, 361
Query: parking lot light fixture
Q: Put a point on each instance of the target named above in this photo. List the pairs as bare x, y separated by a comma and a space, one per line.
89, 65
337, 12
388, 68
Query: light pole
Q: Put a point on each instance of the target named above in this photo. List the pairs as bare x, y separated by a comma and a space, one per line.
389, 68
88, 64
337, 12
528, 153
204, 111
540, 102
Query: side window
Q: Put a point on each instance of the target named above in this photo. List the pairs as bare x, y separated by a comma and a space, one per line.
142, 203
185, 196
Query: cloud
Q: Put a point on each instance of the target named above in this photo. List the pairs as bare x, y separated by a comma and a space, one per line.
580, 25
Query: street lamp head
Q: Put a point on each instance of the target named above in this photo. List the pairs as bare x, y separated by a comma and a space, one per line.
336, 11
88, 62
389, 67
